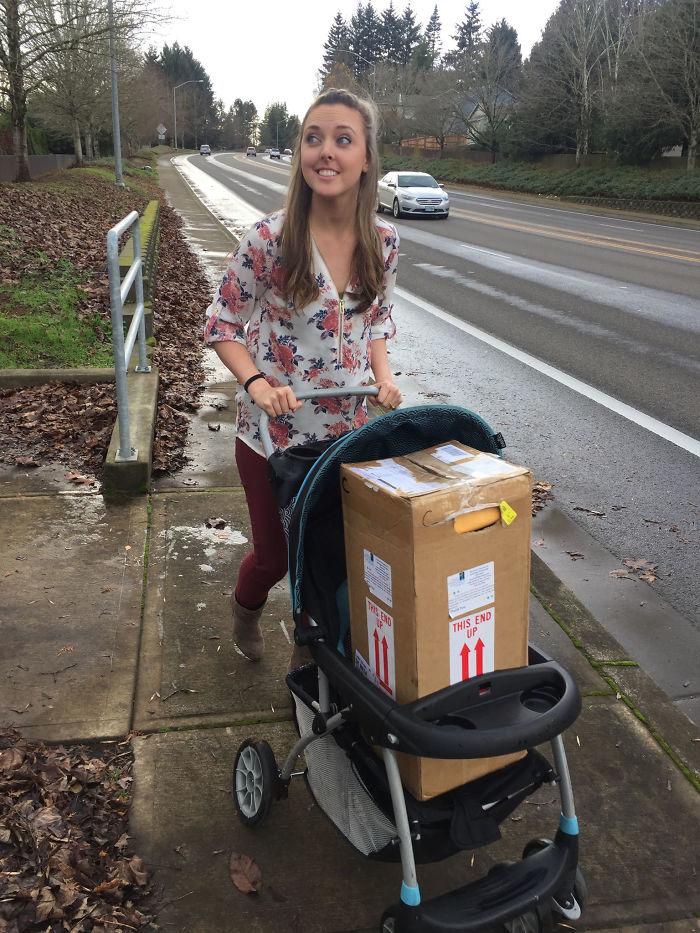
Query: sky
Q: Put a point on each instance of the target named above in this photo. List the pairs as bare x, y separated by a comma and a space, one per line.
271, 50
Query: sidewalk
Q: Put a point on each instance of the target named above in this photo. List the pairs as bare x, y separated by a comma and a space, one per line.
95, 648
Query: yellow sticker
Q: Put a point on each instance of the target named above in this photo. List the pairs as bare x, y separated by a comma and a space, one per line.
508, 514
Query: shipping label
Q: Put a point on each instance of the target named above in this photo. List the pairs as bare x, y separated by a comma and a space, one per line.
396, 477
450, 453
378, 577
470, 589
363, 667
485, 467
472, 645
380, 641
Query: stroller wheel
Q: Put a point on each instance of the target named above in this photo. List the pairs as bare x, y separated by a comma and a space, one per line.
255, 781
388, 922
537, 920
536, 845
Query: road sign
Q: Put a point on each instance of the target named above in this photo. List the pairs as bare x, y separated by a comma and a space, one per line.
161, 130
472, 643
380, 645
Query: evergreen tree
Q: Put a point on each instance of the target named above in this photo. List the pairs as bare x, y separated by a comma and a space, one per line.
502, 44
468, 34
410, 34
432, 36
365, 39
391, 34
335, 48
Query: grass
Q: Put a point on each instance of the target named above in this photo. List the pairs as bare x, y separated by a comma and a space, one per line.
39, 326
619, 182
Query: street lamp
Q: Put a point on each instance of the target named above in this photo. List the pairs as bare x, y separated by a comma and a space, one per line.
192, 81
277, 131
116, 132
367, 62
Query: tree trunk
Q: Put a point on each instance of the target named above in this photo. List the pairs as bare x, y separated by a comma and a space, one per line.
77, 143
692, 147
89, 151
17, 94
19, 138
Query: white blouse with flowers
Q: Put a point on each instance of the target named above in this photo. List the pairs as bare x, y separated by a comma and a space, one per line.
323, 346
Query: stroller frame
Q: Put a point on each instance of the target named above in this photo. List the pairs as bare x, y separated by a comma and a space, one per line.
547, 881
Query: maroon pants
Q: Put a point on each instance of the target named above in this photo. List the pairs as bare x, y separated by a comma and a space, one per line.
266, 564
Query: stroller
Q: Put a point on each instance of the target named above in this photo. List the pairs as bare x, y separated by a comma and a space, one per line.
341, 715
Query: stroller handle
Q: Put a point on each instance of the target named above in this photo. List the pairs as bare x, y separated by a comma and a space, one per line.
265, 438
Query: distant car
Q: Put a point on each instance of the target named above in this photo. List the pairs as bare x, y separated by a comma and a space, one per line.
251, 151
406, 193
204, 149
287, 152
268, 151
274, 153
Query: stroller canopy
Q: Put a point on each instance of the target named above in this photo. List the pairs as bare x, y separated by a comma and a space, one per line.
316, 541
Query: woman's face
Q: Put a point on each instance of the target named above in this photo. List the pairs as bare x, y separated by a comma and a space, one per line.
333, 152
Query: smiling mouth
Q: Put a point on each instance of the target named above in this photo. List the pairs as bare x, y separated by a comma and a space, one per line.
326, 172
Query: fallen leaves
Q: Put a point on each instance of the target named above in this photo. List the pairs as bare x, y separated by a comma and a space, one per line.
245, 873
645, 569
541, 495
69, 215
65, 858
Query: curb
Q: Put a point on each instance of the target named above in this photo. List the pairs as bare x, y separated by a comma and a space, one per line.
134, 476
669, 727
84, 375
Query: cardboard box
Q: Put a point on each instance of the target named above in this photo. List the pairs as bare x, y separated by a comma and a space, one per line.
434, 596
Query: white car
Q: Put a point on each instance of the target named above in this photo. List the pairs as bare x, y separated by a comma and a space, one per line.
205, 149
274, 153
407, 193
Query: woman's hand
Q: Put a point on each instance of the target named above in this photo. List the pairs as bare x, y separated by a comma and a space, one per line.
389, 394
272, 400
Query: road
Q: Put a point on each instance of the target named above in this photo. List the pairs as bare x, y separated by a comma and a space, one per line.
549, 322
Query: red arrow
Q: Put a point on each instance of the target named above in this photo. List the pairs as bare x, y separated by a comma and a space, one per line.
385, 656
376, 653
465, 662
479, 648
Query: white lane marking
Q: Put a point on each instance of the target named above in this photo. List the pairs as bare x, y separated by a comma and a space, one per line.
230, 210
684, 441
682, 311
258, 179
564, 319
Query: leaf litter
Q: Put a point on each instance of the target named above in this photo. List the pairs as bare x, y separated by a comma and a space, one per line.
71, 424
66, 863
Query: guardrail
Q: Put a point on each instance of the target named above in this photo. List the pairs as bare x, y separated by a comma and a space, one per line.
122, 346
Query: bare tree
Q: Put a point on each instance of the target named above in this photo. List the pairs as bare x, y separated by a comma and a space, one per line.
669, 49
435, 110
39, 38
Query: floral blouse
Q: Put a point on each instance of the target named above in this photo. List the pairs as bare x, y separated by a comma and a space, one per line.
317, 348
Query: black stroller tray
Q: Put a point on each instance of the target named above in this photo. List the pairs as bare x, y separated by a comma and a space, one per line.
495, 714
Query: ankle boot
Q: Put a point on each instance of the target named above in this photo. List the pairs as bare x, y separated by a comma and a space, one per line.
247, 636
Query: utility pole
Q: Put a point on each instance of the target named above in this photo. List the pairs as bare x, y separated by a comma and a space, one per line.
116, 132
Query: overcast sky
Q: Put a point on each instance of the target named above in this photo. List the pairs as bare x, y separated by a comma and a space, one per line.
271, 50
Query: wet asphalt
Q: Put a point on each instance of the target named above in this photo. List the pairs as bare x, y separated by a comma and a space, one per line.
610, 301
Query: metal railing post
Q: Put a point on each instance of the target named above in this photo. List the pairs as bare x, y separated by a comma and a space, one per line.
142, 366
122, 347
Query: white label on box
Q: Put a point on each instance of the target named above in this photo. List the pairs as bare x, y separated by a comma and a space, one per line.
380, 641
378, 577
450, 453
470, 589
363, 667
472, 643
396, 477
484, 467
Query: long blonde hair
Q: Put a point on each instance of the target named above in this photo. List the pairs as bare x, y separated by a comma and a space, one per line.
367, 263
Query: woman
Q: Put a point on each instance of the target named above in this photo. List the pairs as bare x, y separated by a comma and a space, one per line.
313, 283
